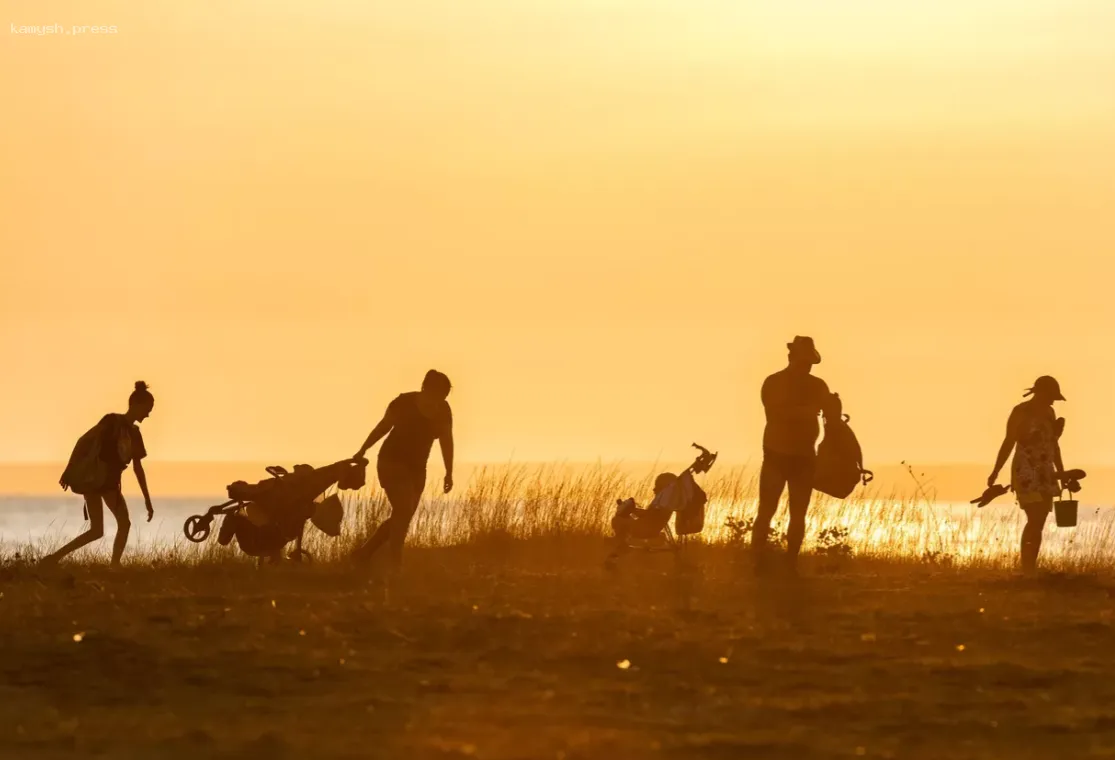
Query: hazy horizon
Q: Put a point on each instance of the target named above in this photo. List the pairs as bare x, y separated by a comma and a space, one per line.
955, 482
603, 219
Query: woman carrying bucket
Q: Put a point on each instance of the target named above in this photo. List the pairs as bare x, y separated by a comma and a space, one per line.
1033, 432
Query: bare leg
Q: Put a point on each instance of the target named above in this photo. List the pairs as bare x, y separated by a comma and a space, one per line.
378, 539
95, 508
403, 494
119, 509
400, 521
771, 484
801, 493
1036, 515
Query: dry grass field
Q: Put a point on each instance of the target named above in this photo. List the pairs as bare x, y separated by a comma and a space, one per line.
506, 638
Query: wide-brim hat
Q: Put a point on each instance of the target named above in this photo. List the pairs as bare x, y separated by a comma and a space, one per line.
806, 346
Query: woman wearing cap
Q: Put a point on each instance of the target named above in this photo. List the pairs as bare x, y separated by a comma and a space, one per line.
1033, 431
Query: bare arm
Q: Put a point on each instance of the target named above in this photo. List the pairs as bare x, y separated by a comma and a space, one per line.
1007, 447
1060, 426
141, 478
446, 443
378, 432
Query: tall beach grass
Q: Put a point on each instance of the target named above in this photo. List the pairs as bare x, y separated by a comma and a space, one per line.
524, 502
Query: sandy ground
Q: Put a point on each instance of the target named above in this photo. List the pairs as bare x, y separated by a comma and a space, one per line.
534, 652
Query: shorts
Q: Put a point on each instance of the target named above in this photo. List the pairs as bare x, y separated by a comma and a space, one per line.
113, 478
110, 488
392, 473
790, 468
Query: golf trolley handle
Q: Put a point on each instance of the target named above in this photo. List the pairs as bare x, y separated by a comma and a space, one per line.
704, 461
277, 471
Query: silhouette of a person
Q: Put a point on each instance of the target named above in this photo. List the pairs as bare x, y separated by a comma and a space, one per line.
793, 400
412, 422
120, 442
1033, 433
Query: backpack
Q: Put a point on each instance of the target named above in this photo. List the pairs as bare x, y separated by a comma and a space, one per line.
86, 473
839, 460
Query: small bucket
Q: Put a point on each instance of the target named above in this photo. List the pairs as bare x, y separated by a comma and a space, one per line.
1064, 511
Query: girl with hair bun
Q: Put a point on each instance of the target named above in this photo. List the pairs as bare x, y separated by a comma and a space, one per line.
96, 466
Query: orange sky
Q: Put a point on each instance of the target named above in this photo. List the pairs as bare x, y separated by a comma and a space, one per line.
602, 218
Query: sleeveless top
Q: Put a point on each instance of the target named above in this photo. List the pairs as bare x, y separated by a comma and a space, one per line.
1034, 469
412, 438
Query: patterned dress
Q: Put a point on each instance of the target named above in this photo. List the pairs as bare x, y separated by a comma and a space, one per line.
1034, 469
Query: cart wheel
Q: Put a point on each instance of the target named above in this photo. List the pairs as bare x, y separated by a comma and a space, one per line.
198, 527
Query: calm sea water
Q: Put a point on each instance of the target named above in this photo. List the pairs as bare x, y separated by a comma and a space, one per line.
50, 521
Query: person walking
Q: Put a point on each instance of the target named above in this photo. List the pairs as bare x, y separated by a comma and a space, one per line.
411, 424
793, 400
95, 469
1033, 434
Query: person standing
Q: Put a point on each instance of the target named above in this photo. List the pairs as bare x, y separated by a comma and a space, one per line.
95, 471
793, 400
412, 422
1033, 434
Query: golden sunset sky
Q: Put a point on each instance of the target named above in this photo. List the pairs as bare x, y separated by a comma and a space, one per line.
602, 218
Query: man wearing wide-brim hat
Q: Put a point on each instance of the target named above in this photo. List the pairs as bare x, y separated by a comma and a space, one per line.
793, 400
